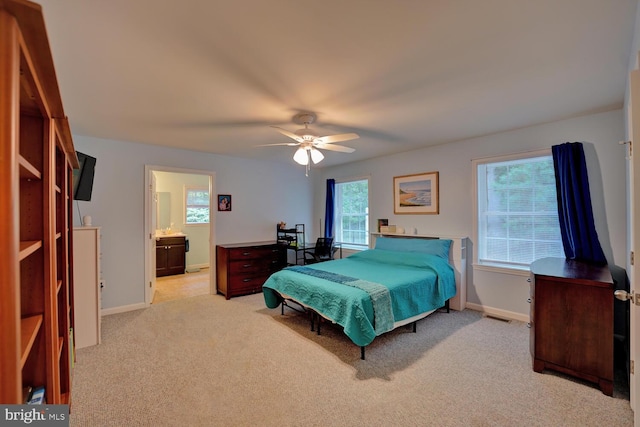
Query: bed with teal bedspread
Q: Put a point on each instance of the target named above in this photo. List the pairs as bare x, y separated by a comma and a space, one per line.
370, 292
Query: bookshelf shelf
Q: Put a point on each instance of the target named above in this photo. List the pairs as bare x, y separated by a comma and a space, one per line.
27, 170
29, 327
28, 247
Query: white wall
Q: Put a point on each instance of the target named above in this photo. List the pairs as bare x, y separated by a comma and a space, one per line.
264, 193
499, 293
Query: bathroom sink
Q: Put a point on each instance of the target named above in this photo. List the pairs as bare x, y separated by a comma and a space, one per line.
162, 233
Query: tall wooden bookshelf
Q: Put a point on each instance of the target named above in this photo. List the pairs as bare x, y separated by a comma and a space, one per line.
36, 162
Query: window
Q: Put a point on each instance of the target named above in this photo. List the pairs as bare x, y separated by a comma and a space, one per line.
352, 213
517, 210
196, 205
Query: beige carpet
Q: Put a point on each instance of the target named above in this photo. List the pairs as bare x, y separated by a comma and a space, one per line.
205, 361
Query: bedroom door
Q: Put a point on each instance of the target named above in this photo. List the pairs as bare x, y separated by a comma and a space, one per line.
634, 237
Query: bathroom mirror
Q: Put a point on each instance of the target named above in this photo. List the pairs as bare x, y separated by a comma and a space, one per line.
164, 210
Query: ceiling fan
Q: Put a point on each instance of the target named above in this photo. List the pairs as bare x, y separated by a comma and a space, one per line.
309, 143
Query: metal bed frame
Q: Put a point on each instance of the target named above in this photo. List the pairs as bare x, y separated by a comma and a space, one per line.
316, 319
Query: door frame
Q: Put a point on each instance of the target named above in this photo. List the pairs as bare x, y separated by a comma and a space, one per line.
633, 232
150, 246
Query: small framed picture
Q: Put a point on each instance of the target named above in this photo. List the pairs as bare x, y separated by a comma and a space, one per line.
224, 202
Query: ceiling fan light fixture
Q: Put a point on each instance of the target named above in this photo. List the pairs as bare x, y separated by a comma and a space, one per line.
301, 157
309, 141
316, 156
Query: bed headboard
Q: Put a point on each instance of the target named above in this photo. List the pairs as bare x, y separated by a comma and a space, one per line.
457, 258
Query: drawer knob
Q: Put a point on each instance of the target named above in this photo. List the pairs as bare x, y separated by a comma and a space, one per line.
529, 300
246, 253
246, 280
529, 325
246, 266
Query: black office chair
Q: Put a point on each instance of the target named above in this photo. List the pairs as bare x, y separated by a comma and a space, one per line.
323, 251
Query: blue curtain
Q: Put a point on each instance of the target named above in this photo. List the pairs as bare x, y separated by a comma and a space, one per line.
329, 207
579, 236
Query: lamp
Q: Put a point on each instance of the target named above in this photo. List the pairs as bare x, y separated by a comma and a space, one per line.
316, 156
301, 157
305, 154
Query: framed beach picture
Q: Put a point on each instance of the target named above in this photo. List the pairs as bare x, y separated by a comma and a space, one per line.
416, 194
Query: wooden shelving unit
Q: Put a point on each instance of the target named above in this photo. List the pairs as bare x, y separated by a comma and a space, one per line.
36, 162
293, 240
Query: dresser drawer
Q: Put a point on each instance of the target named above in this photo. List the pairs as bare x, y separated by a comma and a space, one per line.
253, 252
241, 283
255, 266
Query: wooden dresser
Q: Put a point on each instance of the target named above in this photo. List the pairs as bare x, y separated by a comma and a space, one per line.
242, 268
572, 320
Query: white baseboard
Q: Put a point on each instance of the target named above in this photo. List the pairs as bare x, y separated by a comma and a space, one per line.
505, 314
122, 309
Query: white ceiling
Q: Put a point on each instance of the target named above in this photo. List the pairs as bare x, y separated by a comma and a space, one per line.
213, 75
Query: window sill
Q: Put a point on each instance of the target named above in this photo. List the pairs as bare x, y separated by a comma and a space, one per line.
524, 271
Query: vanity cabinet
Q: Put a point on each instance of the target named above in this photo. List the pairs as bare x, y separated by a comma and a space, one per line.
242, 268
572, 320
170, 255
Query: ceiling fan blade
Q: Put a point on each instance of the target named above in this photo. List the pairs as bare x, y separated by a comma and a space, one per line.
290, 144
336, 138
333, 147
287, 133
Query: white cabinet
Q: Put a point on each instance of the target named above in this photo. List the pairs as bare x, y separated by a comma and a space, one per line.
86, 285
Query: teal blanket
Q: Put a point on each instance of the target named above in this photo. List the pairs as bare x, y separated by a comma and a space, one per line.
417, 283
380, 296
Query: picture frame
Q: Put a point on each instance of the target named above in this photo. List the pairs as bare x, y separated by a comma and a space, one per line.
416, 194
224, 202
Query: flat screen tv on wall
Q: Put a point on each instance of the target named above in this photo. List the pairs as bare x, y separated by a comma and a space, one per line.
83, 177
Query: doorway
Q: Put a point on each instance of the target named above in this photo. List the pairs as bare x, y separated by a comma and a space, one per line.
166, 216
